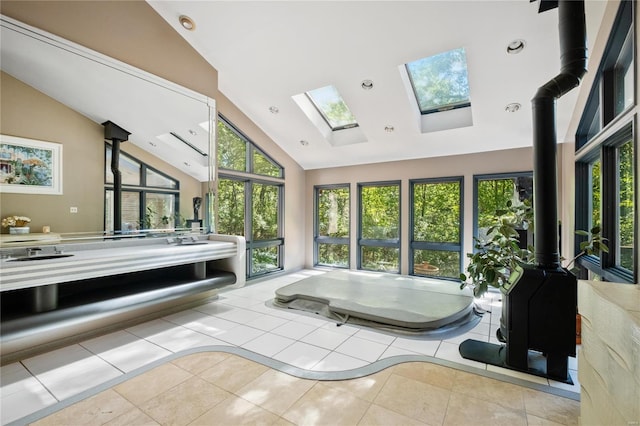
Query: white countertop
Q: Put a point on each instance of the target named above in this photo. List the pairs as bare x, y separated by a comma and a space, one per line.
94, 263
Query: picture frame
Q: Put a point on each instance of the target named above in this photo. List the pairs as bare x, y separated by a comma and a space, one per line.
30, 166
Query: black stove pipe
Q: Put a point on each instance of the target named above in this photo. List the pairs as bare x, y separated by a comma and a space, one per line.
573, 59
116, 135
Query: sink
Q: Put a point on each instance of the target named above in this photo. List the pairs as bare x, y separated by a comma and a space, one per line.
39, 257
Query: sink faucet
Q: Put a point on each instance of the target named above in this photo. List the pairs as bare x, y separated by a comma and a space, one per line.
32, 251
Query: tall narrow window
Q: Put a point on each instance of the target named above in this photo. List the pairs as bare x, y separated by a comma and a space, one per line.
250, 199
379, 243
332, 226
231, 207
606, 159
436, 221
626, 207
596, 219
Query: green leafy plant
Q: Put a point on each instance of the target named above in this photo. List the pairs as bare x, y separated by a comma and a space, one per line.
494, 260
594, 243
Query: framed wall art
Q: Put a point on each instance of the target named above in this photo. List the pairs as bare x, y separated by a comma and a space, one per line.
29, 166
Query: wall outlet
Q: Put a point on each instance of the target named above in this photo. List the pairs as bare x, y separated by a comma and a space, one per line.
73, 210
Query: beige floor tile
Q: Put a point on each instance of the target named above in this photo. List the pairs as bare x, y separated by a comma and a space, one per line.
135, 417
96, 410
551, 407
415, 399
185, 402
465, 410
198, 362
502, 393
324, 405
275, 391
366, 387
235, 411
282, 422
233, 373
152, 383
426, 372
380, 416
538, 421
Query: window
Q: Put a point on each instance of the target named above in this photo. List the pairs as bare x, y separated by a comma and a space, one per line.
379, 242
613, 90
492, 192
332, 108
150, 199
440, 81
436, 227
237, 152
250, 199
332, 225
606, 158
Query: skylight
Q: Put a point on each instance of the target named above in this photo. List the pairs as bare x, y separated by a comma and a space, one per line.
440, 82
332, 108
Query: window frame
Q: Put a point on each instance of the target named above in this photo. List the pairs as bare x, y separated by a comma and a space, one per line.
251, 148
381, 243
444, 107
143, 189
249, 178
607, 152
616, 129
320, 239
431, 245
323, 114
492, 176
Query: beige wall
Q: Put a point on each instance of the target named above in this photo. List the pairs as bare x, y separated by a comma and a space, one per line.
28, 113
515, 160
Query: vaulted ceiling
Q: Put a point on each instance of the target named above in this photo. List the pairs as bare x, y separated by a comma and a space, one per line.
266, 52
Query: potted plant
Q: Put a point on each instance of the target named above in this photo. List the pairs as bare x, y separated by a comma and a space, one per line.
494, 260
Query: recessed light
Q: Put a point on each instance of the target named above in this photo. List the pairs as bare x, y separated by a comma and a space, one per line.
304, 143
187, 23
389, 129
513, 107
516, 46
367, 84
274, 109
192, 132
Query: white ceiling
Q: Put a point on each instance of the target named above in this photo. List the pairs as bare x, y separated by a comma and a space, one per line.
267, 51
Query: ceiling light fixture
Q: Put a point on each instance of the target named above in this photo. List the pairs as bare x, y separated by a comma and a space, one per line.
513, 107
187, 23
274, 109
389, 129
367, 84
304, 143
516, 46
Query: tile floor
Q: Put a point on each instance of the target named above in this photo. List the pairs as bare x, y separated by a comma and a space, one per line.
236, 356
